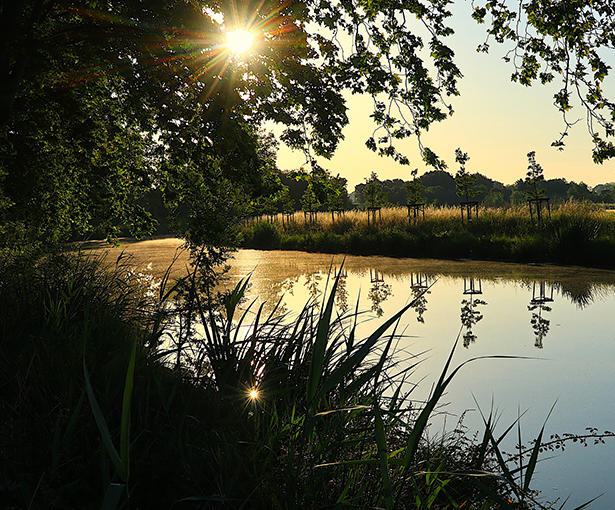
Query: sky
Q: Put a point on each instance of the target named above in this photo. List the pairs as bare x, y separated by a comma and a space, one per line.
497, 122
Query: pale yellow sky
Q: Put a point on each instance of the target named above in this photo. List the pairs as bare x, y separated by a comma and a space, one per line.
496, 122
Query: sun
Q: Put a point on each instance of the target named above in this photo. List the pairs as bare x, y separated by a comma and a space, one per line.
239, 41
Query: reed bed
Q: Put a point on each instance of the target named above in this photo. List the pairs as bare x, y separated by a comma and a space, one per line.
571, 233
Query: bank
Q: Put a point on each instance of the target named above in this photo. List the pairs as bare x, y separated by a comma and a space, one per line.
574, 234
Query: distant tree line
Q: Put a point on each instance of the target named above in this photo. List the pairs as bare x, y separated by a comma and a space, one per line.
438, 188
318, 190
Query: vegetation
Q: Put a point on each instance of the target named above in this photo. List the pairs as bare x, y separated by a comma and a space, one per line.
439, 188
373, 194
105, 105
414, 189
102, 105
464, 181
576, 233
112, 399
534, 177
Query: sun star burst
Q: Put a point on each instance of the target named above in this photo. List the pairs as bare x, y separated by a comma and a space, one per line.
239, 41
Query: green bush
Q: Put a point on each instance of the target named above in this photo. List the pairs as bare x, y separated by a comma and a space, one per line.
263, 235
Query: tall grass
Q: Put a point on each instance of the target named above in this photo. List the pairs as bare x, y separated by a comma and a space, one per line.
575, 232
260, 412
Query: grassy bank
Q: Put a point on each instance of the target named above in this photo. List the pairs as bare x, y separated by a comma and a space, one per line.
575, 233
112, 398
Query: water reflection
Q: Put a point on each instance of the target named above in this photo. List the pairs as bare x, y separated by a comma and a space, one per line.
376, 276
581, 293
378, 292
470, 316
385, 285
580, 376
542, 293
341, 295
419, 288
312, 284
472, 286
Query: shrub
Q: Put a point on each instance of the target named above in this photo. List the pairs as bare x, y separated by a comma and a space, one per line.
263, 235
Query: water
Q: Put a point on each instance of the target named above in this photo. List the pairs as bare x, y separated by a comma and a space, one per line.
558, 322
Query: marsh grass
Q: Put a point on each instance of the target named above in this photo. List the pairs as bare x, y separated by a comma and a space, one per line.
574, 233
93, 415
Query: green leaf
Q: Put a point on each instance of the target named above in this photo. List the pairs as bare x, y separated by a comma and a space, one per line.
381, 442
126, 411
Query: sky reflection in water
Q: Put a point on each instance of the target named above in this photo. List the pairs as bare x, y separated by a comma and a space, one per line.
562, 320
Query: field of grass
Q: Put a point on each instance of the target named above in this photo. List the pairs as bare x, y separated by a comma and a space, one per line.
112, 396
574, 233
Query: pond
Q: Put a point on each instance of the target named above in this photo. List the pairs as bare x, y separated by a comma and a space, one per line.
557, 322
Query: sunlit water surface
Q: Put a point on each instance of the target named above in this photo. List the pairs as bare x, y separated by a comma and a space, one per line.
560, 320
558, 323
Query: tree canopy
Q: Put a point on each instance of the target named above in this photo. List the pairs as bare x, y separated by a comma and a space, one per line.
101, 100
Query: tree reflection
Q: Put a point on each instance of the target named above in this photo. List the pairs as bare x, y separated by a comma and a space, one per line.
288, 285
540, 325
419, 285
341, 295
541, 295
376, 276
378, 292
579, 291
469, 317
312, 284
469, 314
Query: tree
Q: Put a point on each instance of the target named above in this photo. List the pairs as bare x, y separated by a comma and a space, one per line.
414, 189
337, 194
464, 181
309, 200
73, 161
534, 177
579, 191
564, 38
285, 202
606, 193
373, 193
159, 68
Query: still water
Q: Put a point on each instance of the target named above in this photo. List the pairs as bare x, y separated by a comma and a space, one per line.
558, 321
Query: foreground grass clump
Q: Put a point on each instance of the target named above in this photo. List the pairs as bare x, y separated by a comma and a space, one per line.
575, 233
112, 396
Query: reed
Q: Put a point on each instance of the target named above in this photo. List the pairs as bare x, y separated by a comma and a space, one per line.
574, 232
260, 411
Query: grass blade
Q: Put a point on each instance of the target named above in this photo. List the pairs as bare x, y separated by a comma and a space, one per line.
531, 465
112, 496
320, 345
126, 406
381, 443
101, 423
347, 367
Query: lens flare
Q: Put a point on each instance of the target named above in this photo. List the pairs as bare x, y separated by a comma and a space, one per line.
254, 394
239, 41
